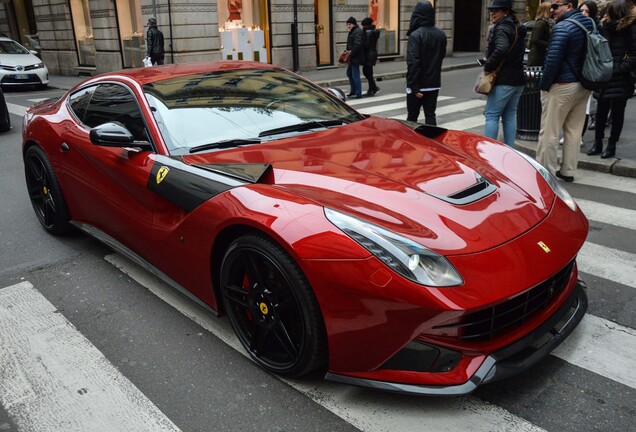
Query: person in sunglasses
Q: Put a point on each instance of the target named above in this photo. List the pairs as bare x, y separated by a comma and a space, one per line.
563, 98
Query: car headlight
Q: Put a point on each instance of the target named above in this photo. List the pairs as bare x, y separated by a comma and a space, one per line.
552, 181
38, 66
409, 259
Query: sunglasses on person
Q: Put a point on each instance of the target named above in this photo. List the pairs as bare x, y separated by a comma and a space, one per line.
555, 6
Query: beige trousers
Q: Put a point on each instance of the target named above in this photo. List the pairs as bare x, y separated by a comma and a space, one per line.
563, 109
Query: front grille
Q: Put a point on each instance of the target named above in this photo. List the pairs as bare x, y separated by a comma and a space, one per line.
489, 323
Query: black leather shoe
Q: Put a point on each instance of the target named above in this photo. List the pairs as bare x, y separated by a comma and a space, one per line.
608, 153
595, 150
565, 178
351, 94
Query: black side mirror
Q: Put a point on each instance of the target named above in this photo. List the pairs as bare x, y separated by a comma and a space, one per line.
113, 134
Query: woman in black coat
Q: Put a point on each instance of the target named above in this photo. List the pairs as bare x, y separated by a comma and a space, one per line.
370, 41
540, 35
620, 30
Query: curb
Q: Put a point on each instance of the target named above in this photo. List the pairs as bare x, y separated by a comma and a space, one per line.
615, 166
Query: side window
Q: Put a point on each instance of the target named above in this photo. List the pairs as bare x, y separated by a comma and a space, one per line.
113, 102
79, 101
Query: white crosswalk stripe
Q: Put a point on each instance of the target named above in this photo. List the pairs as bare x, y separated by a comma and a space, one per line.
598, 346
51, 375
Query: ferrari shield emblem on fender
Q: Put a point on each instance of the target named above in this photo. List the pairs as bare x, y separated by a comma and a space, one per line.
544, 246
162, 173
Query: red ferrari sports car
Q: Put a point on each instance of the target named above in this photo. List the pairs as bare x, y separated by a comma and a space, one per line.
379, 252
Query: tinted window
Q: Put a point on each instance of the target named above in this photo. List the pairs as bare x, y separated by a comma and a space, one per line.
79, 101
113, 102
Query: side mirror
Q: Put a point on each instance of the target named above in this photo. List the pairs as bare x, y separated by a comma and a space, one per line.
113, 134
337, 93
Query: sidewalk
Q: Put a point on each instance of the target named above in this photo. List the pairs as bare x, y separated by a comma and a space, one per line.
624, 165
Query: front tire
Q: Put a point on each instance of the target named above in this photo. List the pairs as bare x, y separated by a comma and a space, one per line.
45, 192
272, 308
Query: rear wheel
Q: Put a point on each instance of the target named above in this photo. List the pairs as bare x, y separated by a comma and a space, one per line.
45, 192
272, 308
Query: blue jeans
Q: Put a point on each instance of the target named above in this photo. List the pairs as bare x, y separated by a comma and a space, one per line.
353, 73
502, 103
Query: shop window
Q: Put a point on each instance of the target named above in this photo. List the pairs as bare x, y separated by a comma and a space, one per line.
131, 32
385, 15
244, 29
83, 29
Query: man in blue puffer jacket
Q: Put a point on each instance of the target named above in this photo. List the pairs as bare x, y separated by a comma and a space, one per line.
563, 98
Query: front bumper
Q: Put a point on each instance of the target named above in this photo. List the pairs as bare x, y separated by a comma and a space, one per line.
511, 360
24, 78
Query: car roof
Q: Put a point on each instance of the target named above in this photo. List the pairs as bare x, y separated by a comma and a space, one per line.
152, 74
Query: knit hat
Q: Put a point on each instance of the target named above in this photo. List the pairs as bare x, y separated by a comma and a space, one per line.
352, 20
367, 21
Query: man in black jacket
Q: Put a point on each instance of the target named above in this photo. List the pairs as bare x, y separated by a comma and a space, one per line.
154, 43
355, 46
425, 51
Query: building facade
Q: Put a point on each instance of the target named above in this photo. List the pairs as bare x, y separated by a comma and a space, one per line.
93, 36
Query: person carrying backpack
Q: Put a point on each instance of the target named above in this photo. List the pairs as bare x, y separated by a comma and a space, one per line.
620, 30
563, 97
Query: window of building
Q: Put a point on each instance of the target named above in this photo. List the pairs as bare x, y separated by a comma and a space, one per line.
386, 15
244, 29
131, 32
83, 28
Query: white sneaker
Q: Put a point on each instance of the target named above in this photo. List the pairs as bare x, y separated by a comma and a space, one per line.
561, 140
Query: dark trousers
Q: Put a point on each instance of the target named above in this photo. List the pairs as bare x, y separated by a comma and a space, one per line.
157, 59
367, 71
618, 118
428, 102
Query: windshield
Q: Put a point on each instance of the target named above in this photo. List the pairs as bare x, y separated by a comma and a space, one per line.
11, 47
244, 107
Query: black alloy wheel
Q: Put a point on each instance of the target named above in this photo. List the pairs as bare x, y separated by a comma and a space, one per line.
272, 308
45, 192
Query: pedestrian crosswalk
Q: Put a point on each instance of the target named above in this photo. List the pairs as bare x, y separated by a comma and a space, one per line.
451, 114
48, 369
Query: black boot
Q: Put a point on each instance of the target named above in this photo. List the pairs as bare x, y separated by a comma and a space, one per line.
610, 151
596, 149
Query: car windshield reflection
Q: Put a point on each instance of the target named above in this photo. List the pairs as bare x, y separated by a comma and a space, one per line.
231, 106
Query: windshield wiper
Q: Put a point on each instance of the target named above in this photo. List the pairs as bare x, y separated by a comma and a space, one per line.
225, 144
300, 127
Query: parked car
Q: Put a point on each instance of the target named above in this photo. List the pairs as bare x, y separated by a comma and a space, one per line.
5, 119
20, 67
380, 252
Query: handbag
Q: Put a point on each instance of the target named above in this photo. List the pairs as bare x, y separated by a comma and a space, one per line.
486, 81
344, 57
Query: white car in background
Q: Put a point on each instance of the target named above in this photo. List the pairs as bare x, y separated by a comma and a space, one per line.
20, 67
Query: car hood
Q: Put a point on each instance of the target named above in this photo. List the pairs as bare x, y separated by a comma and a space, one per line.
458, 193
18, 59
